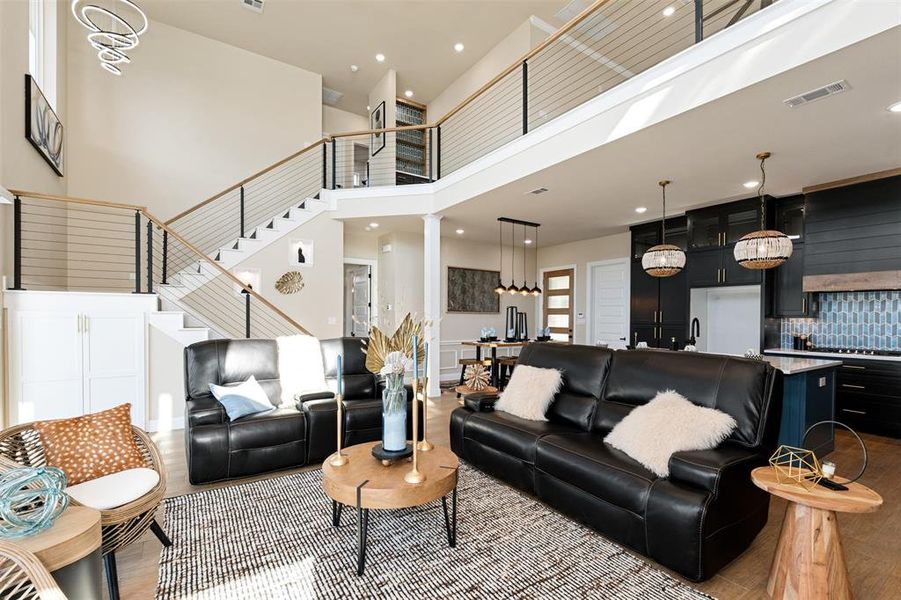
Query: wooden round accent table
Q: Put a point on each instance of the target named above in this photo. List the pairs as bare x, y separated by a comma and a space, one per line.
70, 550
809, 562
365, 483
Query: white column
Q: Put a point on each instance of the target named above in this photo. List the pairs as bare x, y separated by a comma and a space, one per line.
432, 298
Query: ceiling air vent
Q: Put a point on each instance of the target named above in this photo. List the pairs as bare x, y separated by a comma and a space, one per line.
537, 191
330, 96
827, 90
254, 5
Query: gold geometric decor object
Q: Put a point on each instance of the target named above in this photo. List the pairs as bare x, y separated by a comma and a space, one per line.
380, 345
290, 283
796, 466
476, 377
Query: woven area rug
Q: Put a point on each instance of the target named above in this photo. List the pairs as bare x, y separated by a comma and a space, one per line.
273, 539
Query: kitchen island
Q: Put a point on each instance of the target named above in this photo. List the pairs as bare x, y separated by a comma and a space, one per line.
808, 397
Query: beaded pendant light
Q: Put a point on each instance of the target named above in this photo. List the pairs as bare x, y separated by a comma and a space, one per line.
765, 248
663, 260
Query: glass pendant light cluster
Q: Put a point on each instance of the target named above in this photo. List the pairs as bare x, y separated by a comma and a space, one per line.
765, 248
512, 289
663, 260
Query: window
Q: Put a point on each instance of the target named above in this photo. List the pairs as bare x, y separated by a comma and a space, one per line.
42, 46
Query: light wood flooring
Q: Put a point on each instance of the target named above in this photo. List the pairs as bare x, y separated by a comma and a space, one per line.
872, 542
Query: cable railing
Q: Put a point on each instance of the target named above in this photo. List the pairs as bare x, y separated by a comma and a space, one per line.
63, 243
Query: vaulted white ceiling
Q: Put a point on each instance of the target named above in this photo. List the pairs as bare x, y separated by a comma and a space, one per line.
327, 37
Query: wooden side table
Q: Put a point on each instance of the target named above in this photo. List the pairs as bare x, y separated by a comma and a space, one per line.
809, 562
70, 550
366, 483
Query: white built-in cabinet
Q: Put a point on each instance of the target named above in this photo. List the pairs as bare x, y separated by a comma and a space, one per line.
73, 353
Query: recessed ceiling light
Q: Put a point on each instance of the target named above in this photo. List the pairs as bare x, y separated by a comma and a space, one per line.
368, 107
751, 184
354, 68
367, 228
895, 108
458, 47
373, 225
408, 93
380, 57
668, 11
527, 241
641, 209
460, 232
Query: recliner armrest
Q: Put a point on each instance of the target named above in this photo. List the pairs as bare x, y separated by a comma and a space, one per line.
480, 402
707, 468
323, 395
204, 410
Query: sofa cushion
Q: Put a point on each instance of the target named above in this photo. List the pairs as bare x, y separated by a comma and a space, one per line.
278, 426
585, 461
114, 490
736, 386
359, 382
510, 434
584, 369
232, 361
362, 414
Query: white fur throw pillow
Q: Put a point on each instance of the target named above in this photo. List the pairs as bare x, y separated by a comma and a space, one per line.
668, 423
300, 368
530, 392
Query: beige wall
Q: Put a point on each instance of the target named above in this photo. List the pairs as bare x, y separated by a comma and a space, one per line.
361, 245
318, 306
381, 166
335, 120
505, 53
580, 254
189, 117
400, 271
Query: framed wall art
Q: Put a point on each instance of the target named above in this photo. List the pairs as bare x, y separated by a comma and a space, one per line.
42, 127
472, 290
377, 121
301, 253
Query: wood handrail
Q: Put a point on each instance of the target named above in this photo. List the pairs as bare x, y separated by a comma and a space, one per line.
232, 188
57, 198
224, 271
566, 28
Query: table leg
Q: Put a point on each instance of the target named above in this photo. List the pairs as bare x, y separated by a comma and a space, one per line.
450, 522
809, 562
494, 382
337, 507
362, 531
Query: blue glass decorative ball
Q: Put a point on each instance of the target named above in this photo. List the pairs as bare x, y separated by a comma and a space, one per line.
30, 500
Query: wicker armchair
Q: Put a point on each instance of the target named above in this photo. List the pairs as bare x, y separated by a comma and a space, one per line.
121, 525
24, 577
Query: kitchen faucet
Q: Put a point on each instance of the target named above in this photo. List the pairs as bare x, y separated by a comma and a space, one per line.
695, 331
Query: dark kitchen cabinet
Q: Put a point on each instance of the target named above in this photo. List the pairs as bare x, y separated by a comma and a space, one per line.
659, 305
790, 217
712, 234
868, 396
789, 298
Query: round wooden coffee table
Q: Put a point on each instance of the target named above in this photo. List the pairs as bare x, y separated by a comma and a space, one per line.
809, 562
365, 483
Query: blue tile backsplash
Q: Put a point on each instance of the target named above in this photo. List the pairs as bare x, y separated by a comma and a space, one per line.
863, 320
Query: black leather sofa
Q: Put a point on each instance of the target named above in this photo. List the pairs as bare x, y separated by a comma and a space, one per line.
698, 519
285, 437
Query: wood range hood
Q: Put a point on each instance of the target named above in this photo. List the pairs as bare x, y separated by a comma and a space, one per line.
853, 282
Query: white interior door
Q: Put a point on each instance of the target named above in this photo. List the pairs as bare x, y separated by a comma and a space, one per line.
47, 348
608, 302
114, 363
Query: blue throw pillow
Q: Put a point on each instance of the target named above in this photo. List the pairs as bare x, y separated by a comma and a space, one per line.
240, 400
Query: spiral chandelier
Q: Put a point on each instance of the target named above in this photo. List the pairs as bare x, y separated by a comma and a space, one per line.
765, 248
112, 31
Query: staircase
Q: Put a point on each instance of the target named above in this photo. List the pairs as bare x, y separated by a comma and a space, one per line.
173, 324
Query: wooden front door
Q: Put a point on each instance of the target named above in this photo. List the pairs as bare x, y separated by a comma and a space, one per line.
557, 303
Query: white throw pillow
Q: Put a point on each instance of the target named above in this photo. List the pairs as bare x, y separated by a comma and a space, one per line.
530, 392
300, 367
669, 423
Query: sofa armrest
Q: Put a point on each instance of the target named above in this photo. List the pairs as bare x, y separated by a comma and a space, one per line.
707, 469
204, 410
480, 402
323, 395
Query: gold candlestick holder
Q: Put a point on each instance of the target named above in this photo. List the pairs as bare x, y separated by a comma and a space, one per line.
425, 445
338, 459
414, 476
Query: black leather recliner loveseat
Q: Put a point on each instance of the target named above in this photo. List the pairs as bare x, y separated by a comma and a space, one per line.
286, 437
698, 519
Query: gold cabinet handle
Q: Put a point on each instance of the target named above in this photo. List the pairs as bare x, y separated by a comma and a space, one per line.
724, 275
661, 316
853, 387
853, 367
856, 412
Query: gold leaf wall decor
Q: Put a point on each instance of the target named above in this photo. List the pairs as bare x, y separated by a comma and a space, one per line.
290, 283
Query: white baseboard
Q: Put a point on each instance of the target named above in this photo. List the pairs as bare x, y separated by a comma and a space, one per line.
170, 425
